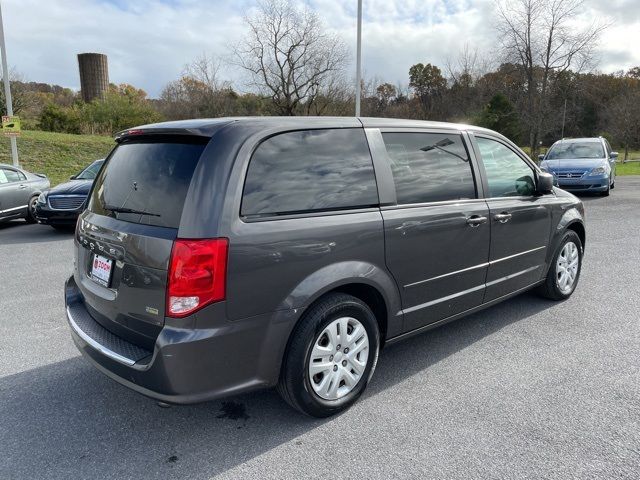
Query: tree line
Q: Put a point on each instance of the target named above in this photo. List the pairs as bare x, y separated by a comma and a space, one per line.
542, 88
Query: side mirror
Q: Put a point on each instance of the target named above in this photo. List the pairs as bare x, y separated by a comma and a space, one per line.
541, 157
613, 155
72, 177
544, 183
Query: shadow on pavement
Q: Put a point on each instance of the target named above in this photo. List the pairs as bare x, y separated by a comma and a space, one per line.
66, 420
19, 232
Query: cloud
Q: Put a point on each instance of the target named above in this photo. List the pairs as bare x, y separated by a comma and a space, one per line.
148, 42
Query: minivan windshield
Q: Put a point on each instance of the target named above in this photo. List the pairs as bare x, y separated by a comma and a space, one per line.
146, 181
573, 150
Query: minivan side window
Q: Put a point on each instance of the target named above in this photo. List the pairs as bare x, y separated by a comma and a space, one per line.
429, 167
508, 175
310, 170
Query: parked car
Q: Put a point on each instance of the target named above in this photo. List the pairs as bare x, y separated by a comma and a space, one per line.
61, 205
19, 191
582, 164
220, 256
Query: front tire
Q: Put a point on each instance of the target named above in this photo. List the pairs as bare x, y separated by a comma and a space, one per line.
565, 269
331, 356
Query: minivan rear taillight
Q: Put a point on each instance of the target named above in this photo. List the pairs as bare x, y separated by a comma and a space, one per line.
197, 275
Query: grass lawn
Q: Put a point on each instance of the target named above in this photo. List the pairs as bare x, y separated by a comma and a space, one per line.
58, 155
629, 168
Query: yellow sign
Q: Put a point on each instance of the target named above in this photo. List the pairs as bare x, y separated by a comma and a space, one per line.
11, 125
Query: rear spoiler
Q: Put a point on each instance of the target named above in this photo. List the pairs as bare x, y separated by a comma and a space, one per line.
206, 131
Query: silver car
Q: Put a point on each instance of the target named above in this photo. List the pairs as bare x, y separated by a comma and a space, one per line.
19, 192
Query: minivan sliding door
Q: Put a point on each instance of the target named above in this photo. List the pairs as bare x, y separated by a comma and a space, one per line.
437, 234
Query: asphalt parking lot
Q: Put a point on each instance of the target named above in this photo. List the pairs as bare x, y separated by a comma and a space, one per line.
526, 389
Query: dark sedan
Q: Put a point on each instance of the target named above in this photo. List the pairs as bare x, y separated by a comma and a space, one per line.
19, 190
61, 205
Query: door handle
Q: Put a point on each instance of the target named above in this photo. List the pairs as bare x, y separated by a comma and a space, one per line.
22, 187
503, 217
476, 220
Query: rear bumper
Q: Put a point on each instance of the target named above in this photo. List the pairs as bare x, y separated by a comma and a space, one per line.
47, 216
187, 365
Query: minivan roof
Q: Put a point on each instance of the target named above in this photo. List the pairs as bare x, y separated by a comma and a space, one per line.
208, 126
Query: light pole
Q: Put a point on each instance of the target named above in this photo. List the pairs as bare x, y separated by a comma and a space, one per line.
7, 88
359, 59
564, 116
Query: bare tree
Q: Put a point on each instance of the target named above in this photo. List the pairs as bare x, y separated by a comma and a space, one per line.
20, 95
467, 66
540, 37
199, 92
288, 54
206, 70
622, 113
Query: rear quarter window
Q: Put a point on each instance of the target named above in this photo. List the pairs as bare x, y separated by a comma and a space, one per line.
147, 181
310, 170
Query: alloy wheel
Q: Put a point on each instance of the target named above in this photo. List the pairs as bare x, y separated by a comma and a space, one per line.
567, 267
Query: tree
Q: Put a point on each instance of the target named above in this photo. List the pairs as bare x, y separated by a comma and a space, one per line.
288, 55
622, 114
539, 37
123, 106
428, 84
386, 93
20, 98
55, 118
499, 115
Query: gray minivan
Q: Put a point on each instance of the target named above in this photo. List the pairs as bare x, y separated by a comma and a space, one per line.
221, 256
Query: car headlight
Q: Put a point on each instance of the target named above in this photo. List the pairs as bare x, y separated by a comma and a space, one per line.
42, 198
598, 171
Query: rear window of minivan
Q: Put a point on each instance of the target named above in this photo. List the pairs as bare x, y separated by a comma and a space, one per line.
146, 181
308, 171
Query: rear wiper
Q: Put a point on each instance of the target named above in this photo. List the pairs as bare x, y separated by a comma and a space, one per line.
128, 210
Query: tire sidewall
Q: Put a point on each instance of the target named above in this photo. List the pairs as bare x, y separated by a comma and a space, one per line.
30, 217
307, 397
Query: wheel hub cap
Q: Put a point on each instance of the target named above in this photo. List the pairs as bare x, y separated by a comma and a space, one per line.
567, 267
338, 358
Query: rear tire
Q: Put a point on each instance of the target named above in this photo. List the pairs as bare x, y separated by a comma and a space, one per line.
565, 269
338, 339
31, 210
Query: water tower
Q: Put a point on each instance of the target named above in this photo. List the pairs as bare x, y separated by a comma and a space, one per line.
94, 75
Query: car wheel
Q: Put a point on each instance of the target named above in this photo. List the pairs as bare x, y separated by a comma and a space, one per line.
31, 210
565, 268
331, 356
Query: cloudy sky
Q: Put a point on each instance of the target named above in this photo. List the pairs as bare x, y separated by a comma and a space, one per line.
149, 41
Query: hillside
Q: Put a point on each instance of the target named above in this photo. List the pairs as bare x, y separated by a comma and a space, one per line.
58, 155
